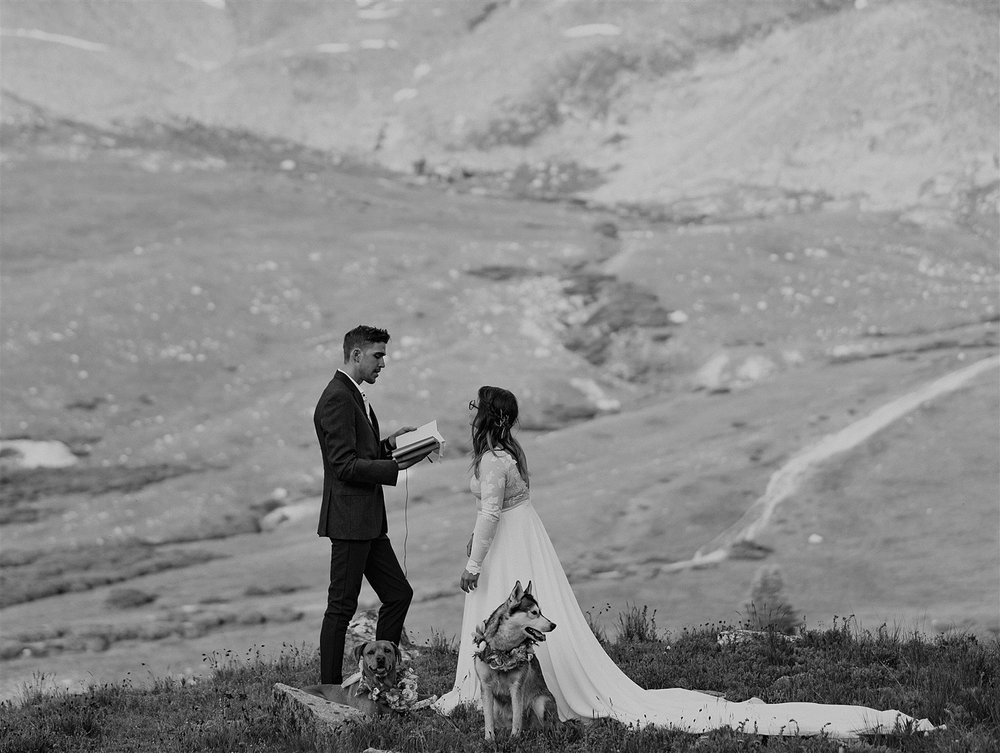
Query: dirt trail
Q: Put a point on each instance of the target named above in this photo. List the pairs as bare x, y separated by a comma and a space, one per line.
787, 480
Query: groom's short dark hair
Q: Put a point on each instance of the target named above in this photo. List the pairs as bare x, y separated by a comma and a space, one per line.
363, 335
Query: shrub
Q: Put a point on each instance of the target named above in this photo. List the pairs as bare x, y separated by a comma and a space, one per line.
768, 609
128, 598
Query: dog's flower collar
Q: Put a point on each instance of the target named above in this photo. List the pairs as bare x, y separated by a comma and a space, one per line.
400, 697
502, 661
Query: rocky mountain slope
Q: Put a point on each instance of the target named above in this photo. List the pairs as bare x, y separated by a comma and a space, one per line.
883, 103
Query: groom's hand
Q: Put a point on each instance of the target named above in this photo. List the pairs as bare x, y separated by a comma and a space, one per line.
391, 439
414, 459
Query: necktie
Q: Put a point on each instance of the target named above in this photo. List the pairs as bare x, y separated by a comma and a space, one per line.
368, 408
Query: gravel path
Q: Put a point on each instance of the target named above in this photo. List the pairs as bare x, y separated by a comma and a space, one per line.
787, 479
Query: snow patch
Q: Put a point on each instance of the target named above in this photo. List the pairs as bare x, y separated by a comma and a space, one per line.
30, 453
44, 36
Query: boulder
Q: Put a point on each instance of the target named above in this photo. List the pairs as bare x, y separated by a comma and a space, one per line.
315, 718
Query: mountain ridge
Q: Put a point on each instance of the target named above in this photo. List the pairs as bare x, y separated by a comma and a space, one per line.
889, 104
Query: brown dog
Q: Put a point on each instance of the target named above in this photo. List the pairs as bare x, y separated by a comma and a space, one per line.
379, 663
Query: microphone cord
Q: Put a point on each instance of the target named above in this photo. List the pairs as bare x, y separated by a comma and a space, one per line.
406, 525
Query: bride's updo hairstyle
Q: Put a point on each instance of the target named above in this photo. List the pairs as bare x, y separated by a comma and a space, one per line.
491, 430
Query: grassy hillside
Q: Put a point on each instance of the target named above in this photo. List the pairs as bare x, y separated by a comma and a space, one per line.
952, 681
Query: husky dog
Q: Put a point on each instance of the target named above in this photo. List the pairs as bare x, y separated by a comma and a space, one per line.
508, 671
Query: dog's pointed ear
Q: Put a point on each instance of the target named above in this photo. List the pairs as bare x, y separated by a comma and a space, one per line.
359, 649
516, 594
527, 591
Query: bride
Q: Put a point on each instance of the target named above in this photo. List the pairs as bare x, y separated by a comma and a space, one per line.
509, 543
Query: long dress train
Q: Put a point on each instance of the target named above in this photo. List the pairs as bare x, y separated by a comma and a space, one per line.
587, 684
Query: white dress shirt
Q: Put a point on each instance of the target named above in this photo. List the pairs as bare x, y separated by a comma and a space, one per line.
364, 397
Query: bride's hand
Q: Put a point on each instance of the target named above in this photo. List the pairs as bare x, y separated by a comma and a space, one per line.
469, 581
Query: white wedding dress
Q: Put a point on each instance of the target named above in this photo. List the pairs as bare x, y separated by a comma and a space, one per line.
510, 544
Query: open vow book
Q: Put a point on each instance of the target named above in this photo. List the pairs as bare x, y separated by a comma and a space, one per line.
417, 441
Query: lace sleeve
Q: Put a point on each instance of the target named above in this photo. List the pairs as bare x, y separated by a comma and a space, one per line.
492, 484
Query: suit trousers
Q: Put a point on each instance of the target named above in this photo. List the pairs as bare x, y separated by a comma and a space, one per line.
350, 560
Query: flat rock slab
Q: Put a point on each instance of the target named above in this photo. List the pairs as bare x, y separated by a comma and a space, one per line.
315, 718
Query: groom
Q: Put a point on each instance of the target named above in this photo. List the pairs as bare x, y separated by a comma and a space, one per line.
356, 464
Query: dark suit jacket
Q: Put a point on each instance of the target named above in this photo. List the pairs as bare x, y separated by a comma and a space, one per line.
355, 464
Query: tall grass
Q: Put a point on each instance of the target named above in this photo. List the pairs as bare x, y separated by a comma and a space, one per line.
952, 679
637, 625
